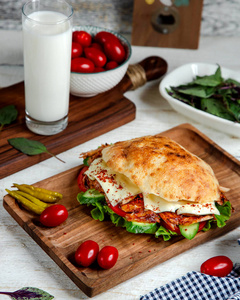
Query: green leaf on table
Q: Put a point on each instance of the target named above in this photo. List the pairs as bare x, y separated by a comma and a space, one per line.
27, 293
29, 147
8, 114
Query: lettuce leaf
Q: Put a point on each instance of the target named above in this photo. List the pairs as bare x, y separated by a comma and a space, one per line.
225, 213
166, 234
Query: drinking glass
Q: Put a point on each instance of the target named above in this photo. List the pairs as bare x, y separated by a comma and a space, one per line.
47, 36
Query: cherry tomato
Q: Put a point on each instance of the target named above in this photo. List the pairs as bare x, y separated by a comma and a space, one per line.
98, 70
86, 253
54, 215
114, 50
103, 36
111, 65
107, 257
117, 210
82, 65
97, 46
80, 179
219, 266
201, 225
76, 50
82, 37
96, 56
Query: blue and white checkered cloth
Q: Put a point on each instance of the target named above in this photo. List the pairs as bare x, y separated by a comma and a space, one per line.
198, 286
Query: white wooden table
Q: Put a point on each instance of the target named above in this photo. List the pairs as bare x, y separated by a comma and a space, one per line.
24, 263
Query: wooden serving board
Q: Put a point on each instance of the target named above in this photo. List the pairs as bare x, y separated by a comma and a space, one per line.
88, 118
137, 252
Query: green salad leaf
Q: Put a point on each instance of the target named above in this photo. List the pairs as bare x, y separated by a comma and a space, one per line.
212, 94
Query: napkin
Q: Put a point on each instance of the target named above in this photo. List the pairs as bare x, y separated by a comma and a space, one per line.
199, 286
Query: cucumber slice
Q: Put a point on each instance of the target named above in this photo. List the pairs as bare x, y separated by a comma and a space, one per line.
93, 194
137, 227
90, 197
189, 231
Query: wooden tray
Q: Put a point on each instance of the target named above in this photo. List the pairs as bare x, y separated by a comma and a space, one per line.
88, 118
137, 252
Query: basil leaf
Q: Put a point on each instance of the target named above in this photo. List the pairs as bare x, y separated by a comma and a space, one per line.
215, 107
197, 91
210, 80
29, 293
29, 147
8, 114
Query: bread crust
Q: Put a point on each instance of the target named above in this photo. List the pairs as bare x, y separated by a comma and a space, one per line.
160, 166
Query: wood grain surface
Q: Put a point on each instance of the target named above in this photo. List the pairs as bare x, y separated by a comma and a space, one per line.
88, 118
137, 252
183, 32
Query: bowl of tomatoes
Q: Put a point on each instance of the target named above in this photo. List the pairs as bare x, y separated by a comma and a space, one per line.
100, 58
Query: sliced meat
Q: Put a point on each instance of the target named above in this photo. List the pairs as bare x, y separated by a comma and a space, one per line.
175, 219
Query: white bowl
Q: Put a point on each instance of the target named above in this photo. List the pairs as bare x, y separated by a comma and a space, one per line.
91, 84
187, 73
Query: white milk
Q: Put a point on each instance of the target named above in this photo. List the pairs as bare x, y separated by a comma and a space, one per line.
47, 57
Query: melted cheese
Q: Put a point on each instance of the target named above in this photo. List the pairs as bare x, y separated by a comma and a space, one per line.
118, 187
158, 205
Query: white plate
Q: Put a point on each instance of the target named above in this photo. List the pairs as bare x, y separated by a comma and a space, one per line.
187, 73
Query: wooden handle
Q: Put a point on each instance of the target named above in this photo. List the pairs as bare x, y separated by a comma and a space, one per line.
150, 68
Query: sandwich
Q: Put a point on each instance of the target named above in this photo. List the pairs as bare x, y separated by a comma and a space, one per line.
152, 185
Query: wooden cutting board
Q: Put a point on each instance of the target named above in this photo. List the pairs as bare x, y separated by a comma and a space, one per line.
88, 117
137, 252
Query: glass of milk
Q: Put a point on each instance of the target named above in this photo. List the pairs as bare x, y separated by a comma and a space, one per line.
47, 37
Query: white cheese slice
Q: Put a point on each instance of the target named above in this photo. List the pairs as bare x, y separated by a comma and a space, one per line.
158, 205
199, 209
116, 186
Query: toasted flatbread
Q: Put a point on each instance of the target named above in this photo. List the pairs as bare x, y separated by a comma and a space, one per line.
160, 166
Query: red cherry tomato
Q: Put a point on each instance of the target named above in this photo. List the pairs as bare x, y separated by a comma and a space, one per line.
107, 257
54, 215
96, 56
111, 65
76, 50
114, 50
86, 253
82, 37
97, 46
80, 179
98, 70
82, 65
117, 210
219, 266
103, 36
202, 225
